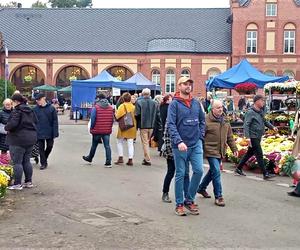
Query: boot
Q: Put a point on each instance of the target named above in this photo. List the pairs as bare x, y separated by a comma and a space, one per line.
120, 160
130, 162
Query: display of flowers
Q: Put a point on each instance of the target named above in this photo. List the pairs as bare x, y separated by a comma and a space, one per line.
290, 102
281, 118
6, 173
247, 87
287, 86
72, 78
275, 148
28, 78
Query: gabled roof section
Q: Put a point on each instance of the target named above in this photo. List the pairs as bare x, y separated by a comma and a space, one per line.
244, 3
116, 30
297, 2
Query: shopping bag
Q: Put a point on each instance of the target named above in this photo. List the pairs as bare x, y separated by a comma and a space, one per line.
126, 121
2, 130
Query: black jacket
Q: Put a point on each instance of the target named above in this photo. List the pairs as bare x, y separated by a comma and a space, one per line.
47, 126
4, 115
163, 114
21, 126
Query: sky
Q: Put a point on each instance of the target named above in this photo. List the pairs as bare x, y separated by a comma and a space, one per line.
143, 3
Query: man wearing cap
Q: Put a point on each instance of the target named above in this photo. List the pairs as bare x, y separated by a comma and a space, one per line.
186, 126
47, 128
254, 129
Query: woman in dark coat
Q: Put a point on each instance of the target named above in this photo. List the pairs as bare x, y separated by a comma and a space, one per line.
163, 108
21, 137
4, 115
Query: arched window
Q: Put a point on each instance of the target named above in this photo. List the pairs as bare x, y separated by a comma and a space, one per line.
70, 73
156, 76
26, 77
120, 72
289, 38
251, 39
170, 81
289, 73
270, 73
186, 73
211, 73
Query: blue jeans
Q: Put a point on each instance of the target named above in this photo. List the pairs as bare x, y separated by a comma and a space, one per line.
214, 175
20, 156
193, 155
95, 142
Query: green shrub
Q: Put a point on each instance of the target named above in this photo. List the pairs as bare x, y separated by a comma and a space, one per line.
10, 90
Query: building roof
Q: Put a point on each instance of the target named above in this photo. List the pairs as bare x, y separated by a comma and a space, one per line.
116, 30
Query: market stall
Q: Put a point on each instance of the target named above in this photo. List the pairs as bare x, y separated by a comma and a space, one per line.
142, 82
84, 91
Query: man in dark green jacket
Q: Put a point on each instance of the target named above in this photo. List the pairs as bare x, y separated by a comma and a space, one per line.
254, 129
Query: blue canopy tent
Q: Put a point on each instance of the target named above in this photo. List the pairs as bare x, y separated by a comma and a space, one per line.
86, 90
240, 73
142, 82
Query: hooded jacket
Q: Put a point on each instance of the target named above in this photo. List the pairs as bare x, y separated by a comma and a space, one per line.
21, 127
102, 118
47, 126
185, 121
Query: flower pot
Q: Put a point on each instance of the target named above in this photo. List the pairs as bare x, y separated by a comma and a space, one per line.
275, 92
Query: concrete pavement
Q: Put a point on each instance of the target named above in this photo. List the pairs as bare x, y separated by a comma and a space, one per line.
86, 206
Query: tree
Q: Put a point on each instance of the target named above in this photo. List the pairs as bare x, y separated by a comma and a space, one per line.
70, 3
11, 4
39, 4
10, 89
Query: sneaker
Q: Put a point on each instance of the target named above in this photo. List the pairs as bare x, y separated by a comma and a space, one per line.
86, 158
42, 167
193, 208
107, 165
27, 185
146, 163
293, 193
268, 176
220, 202
165, 198
239, 172
15, 187
204, 194
179, 210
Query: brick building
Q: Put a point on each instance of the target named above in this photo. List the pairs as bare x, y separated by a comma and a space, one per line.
55, 45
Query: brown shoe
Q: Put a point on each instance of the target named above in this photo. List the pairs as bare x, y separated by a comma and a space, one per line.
130, 162
204, 194
119, 161
220, 202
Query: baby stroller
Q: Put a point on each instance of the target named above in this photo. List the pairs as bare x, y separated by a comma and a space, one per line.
35, 153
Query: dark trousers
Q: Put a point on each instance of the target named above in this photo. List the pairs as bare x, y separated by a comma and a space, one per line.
20, 156
45, 152
256, 150
169, 176
297, 189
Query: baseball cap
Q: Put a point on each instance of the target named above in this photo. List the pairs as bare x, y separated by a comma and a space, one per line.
39, 96
184, 79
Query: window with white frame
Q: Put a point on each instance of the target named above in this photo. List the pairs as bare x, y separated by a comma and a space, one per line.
170, 81
289, 41
156, 76
271, 9
289, 73
185, 73
251, 42
270, 73
211, 73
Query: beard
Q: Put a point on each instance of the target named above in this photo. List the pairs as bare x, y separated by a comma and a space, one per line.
186, 91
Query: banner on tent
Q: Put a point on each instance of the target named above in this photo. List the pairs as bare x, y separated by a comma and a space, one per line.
116, 92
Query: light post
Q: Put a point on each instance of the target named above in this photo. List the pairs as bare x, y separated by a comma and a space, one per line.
6, 70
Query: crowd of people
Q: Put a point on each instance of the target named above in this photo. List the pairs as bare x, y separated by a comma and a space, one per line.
186, 130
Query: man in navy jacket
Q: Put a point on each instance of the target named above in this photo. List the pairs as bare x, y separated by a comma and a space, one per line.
47, 128
186, 126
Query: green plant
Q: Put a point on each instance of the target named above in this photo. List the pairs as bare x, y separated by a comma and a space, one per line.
288, 165
10, 89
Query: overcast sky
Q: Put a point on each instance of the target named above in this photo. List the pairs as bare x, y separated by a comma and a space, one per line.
144, 3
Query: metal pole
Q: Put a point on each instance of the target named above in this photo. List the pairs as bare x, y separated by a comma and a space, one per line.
6, 70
